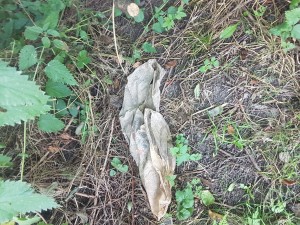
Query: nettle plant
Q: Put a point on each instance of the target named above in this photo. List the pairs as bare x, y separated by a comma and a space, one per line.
290, 28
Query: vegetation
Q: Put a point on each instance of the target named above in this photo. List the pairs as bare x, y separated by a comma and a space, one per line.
231, 97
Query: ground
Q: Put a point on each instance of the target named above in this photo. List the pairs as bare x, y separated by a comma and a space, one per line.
250, 148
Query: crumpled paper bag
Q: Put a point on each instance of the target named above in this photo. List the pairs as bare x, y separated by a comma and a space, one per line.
148, 134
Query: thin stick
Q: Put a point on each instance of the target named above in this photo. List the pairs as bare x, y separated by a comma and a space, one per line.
108, 147
23, 152
115, 38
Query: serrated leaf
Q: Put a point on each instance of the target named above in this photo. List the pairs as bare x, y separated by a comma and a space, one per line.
5, 161
49, 123
296, 31
292, 16
228, 32
17, 197
27, 57
46, 42
21, 99
56, 89
58, 72
60, 44
32, 33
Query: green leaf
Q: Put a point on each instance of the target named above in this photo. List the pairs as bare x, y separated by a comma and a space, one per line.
280, 29
294, 4
49, 123
182, 158
157, 27
17, 197
148, 47
228, 32
83, 35
172, 10
168, 22
60, 44
56, 89
287, 46
112, 172
61, 108
118, 12
184, 214
296, 31
27, 57
21, 99
82, 59
195, 157
292, 16
53, 33
58, 72
185, 1
32, 33
5, 161
117, 164
207, 197
46, 42
140, 17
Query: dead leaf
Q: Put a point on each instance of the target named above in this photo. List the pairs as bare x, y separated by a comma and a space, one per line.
215, 216
136, 65
288, 182
230, 129
296, 209
53, 149
197, 91
243, 53
284, 157
133, 9
65, 136
148, 134
253, 82
171, 64
117, 84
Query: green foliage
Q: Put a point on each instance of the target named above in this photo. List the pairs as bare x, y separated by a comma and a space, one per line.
185, 199
165, 20
148, 47
117, 164
58, 72
28, 57
13, 18
228, 31
82, 59
181, 151
5, 161
209, 64
260, 11
21, 99
49, 123
288, 29
56, 89
17, 197
185, 203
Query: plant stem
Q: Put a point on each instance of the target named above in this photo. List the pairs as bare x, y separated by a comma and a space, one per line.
23, 152
38, 65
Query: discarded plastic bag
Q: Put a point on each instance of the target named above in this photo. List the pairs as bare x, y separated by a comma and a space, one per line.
148, 134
